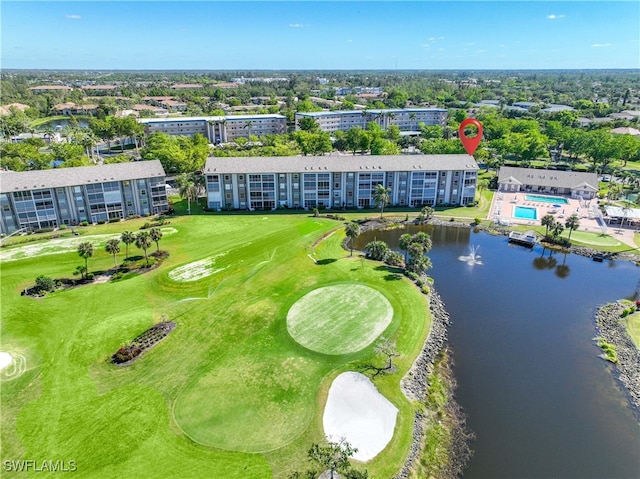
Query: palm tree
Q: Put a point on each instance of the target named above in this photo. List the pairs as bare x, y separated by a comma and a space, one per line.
113, 247
156, 234
127, 237
572, 223
85, 250
143, 241
547, 221
381, 197
189, 191
557, 228
248, 124
353, 231
405, 240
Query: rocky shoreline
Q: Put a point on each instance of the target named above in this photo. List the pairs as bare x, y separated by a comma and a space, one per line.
414, 386
611, 328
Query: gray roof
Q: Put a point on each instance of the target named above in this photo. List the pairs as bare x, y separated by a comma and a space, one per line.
302, 164
557, 178
374, 112
82, 175
210, 118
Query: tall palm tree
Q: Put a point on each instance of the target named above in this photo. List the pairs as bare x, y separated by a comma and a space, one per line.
85, 250
381, 197
156, 235
547, 221
248, 124
113, 247
189, 191
127, 237
143, 241
353, 231
572, 223
405, 240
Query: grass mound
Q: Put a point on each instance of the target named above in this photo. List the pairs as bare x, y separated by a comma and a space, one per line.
339, 319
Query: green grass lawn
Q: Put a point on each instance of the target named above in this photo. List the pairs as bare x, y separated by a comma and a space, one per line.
633, 327
229, 393
339, 319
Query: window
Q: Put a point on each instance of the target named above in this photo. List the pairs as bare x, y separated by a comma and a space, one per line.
143, 192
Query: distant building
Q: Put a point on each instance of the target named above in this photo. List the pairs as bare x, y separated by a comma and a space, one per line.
406, 119
336, 182
555, 182
526, 105
51, 198
173, 105
625, 130
45, 88
156, 110
70, 108
186, 86
101, 88
552, 108
218, 129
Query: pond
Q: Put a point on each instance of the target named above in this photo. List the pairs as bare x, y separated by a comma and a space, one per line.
539, 399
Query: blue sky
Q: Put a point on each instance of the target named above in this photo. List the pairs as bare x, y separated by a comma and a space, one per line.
320, 35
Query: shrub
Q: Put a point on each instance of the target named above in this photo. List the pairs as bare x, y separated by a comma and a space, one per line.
425, 289
63, 226
145, 226
45, 283
452, 219
84, 223
101, 222
477, 221
411, 275
376, 250
609, 351
394, 258
90, 276
114, 220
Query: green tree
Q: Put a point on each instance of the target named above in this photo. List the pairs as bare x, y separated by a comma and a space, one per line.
547, 221
113, 247
557, 228
380, 146
572, 223
188, 189
307, 123
143, 241
404, 243
85, 251
352, 231
156, 235
418, 262
381, 197
334, 456
127, 237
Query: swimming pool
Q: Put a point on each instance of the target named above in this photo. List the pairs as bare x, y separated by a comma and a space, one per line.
547, 199
525, 213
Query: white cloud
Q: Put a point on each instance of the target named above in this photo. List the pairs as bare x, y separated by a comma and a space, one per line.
481, 51
72, 17
349, 41
425, 45
297, 25
601, 45
553, 16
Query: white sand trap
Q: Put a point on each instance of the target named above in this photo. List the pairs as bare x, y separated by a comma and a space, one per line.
357, 412
197, 269
5, 360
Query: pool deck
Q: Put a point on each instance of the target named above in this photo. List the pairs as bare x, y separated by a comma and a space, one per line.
502, 206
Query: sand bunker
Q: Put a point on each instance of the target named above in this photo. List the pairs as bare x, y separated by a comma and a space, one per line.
5, 360
197, 269
357, 412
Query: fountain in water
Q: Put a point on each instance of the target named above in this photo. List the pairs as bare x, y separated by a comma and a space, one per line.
473, 257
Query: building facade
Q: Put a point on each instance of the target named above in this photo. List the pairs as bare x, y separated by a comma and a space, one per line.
50, 198
338, 181
218, 129
406, 119
529, 180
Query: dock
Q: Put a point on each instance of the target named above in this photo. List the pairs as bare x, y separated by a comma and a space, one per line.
528, 238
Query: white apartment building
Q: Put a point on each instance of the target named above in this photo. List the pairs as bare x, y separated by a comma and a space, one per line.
338, 181
218, 129
406, 119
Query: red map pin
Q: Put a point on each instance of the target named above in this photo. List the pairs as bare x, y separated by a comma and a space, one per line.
470, 144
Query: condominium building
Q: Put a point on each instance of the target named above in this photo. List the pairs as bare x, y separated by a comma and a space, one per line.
218, 129
50, 198
406, 119
339, 181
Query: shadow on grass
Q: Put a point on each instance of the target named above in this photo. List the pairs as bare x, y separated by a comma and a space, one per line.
323, 262
392, 277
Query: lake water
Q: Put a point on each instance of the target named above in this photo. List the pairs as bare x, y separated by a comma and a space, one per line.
540, 401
